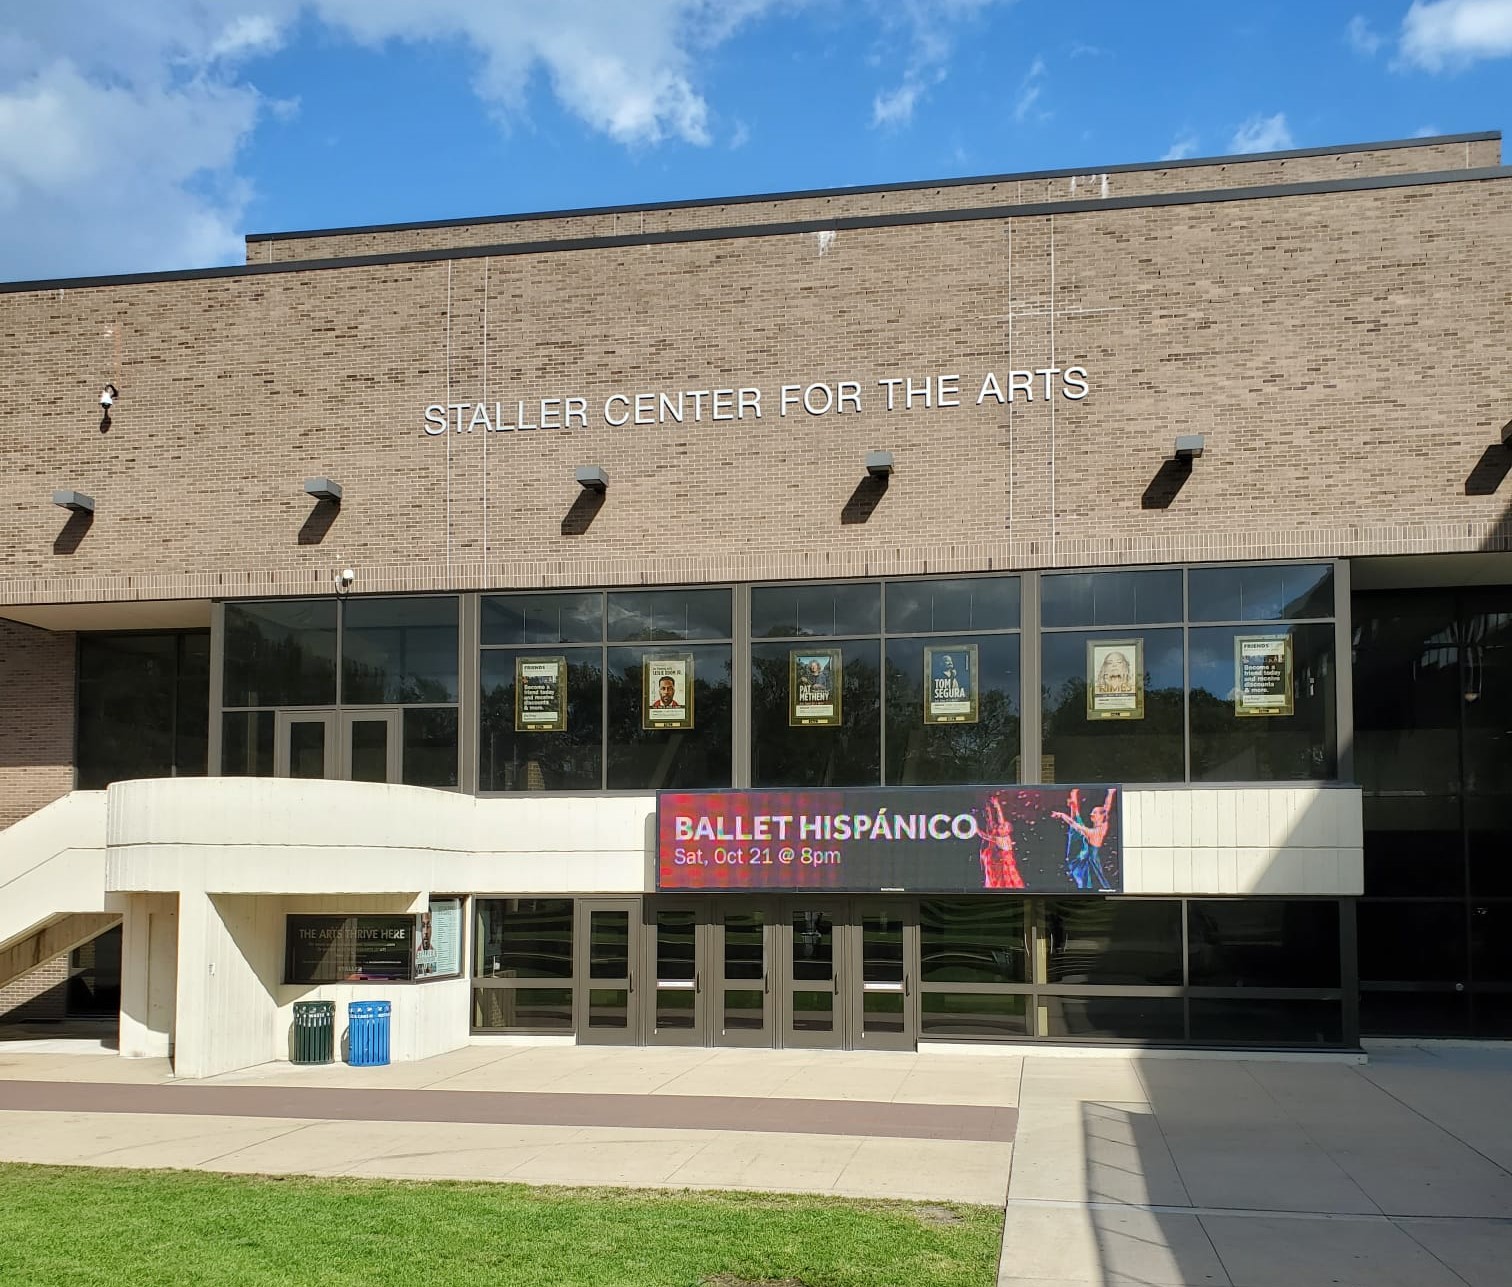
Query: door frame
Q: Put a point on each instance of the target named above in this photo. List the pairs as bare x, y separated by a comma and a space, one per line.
605, 1035
283, 723
699, 1033
393, 716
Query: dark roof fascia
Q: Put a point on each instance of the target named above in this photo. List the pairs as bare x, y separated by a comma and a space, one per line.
1239, 158
850, 223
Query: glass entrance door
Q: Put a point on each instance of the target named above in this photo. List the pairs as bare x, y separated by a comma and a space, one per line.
883, 947
744, 956
609, 1013
814, 973
370, 746
305, 745
675, 969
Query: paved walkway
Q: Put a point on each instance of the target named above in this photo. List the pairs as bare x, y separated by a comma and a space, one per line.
1156, 1171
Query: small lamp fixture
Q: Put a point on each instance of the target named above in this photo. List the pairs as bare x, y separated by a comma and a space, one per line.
77, 502
108, 396
326, 489
879, 464
592, 478
1189, 446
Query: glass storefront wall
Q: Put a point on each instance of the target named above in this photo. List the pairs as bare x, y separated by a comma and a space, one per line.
1433, 721
1211, 972
142, 707
366, 689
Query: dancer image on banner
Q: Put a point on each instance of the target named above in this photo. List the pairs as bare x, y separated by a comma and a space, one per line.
999, 862
1084, 866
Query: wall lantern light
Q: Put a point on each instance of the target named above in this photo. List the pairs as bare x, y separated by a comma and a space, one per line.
879, 464
326, 489
592, 478
1189, 446
77, 502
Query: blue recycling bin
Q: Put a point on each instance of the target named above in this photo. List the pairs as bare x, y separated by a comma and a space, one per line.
368, 1033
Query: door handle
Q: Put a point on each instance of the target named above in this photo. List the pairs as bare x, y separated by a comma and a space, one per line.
905, 985
836, 978
630, 981
766, 983
697, 986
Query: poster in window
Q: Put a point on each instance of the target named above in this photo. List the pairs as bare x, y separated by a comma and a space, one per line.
950, 685
667, 691
540, 694
438, 939
814, 687
1263, 675
1115, 679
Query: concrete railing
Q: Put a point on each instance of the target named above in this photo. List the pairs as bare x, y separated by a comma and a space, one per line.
52, 864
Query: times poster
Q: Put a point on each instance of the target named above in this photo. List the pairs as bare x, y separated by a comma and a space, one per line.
1115, 679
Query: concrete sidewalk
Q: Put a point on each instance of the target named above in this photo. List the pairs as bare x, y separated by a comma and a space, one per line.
1115, 1170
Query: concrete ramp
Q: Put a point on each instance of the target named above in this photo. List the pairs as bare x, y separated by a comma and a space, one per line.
52, 882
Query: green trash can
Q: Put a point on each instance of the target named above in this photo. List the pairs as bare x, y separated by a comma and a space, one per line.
314, 1032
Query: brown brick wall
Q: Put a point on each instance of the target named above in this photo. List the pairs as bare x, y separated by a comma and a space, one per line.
1344, 353
1414, 159
36, 719
39, 994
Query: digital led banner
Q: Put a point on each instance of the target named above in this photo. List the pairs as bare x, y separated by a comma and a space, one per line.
1033, 839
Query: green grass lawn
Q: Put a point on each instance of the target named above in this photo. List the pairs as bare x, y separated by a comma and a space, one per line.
74, 1226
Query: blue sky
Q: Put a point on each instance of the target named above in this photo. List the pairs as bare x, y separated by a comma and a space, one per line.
153, 134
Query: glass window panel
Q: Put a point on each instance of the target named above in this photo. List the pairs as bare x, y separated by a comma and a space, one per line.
1276, 593
920, 754
608, 1008
1493, 1016
281, 653
571, 760
1486, 689
697, 758
1228, 747
1489, 841
124, 724
813, 946
1407, 693
847, 755
523, 938
1414, 1014
1124, 1018
430, 746
813, 1011
1491, 941
1413, 942
1111, 598
973, 1014
745, 944
399, 650
1413, 846
247, 744
968, 603
369, 750
1113, 941
1252, 1022
543, 618
609, 944
534, 1009
669, 614
1079, 749
676, 1008
191, 729
676, 954
1263, 943
972, 940
785, 611
881, 948
307, 748
882, 1012
744, 1010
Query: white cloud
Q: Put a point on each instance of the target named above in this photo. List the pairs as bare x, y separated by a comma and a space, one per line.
1262, 134
1454, 33
931, 27
1030, 89
121, 124
1363, 39
1184, 146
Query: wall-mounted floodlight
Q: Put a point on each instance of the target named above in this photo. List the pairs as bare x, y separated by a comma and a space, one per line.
879, 464
326, 489
1189, 446
592, 478
77, 502
108, 396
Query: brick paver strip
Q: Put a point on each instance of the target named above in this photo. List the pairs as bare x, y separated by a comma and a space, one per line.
658, 1112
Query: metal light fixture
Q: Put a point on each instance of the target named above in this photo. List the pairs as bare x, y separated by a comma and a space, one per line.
879, 464
592, 478
1189, 446
108, 396
76, 502
326, 489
